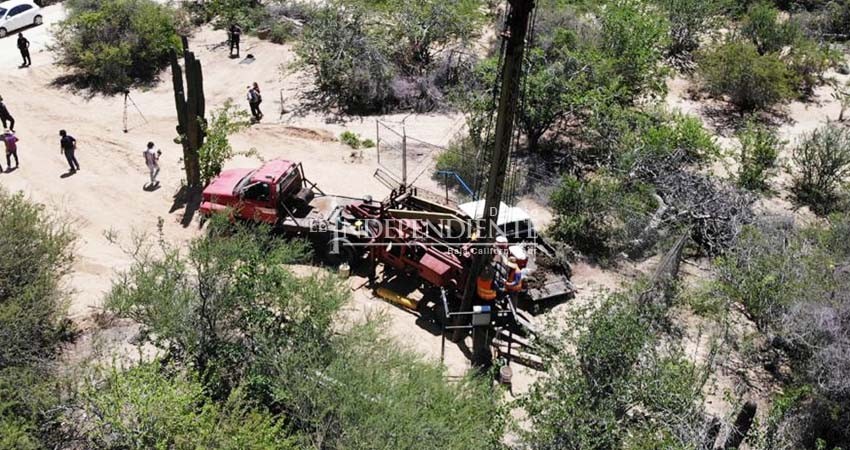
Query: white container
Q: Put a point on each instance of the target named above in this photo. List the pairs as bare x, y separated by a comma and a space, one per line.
344, 270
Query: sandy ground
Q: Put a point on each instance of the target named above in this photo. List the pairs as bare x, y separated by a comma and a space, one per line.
107, 196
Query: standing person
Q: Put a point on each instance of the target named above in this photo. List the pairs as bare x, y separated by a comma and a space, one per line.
24, 47
69, 146
235, 36
11, 143
254, 100
152, 161
5, 116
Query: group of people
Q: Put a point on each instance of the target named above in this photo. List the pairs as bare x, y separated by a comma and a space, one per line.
234, 36
68, 144
505, 275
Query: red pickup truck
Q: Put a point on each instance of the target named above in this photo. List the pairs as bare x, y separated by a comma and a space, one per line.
278, 194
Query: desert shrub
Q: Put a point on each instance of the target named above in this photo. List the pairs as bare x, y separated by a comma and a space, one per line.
602, 215
759, 150
37, 253
231, 311
342, 401
217, 149
351, 67
282, 32
379, 57
736, 71
148, 407
113, 45
808, 62
794, 284
671, 134
689, 21
422, 29
828, 22
31, 300
763, 28
821, 165
635, 35
617, 367
354, 140
214, 307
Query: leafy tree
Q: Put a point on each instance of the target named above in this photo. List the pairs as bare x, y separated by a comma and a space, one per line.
213, 307
217, 149
620, 389
233, 313
689, 21
113, 45
601, 216
635, 35
750, 81
381, 56
552, 91
759, 150
351, 67
763, 27
373, 394
422, 28
37, 250
146, 407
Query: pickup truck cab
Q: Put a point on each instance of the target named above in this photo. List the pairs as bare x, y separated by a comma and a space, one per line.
278, 194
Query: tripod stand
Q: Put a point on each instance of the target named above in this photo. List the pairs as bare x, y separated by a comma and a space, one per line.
130, 100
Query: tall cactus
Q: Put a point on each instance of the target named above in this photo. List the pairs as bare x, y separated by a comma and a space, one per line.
190, 111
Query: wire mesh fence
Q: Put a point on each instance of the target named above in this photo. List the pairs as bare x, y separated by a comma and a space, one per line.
405, 159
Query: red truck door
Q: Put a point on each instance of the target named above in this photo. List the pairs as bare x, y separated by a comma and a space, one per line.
257, 202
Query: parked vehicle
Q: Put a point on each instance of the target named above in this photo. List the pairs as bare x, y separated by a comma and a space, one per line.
17, 14
278, 194
405, 233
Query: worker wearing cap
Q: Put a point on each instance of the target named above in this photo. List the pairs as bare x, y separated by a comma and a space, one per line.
513, 281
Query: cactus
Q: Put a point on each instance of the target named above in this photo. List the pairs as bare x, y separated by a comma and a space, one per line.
190, 111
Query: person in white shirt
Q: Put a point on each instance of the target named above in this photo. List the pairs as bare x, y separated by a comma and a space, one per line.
152, 161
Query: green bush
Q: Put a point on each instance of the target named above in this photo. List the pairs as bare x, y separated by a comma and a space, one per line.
217, 149
230, 315
764, 29
792, 282
351, 67
281, 32
146, 407
601, 216
759, 149
588, 399
37, 250
808, 62
689, 20
113, 45
635, 36
821, 168
354, 141
737, 72
381, 56
462, 157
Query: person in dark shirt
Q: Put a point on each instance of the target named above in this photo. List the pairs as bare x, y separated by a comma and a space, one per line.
5, 116
235, 35
69, 147
24, 47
